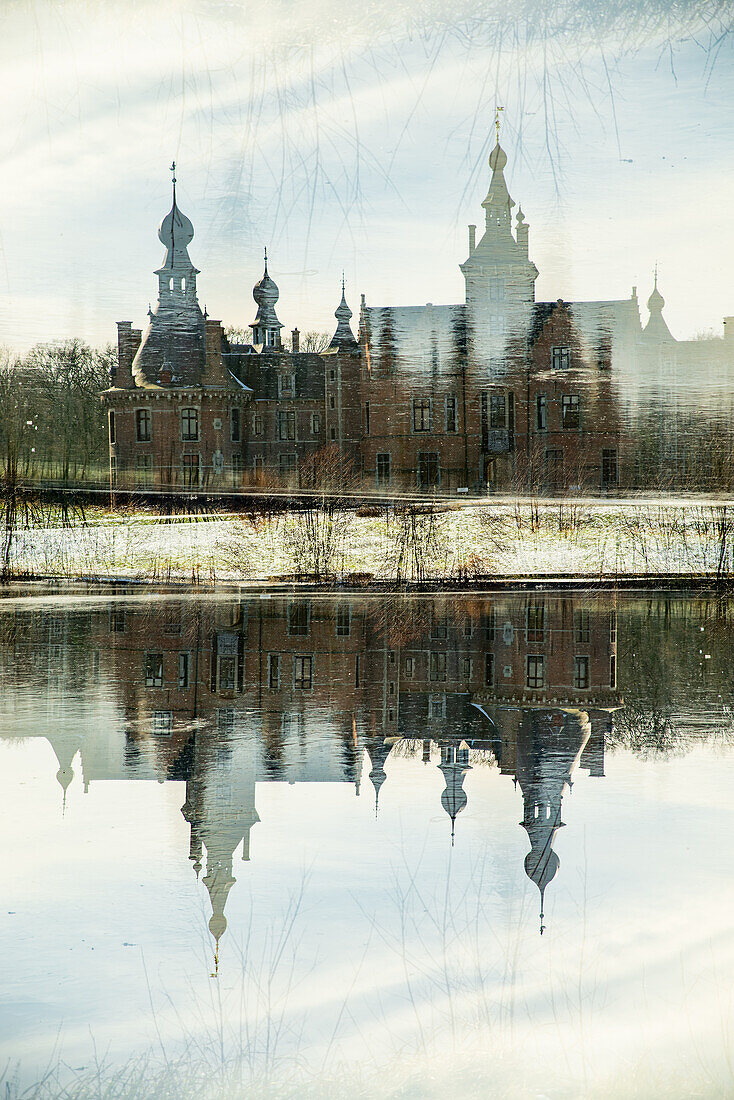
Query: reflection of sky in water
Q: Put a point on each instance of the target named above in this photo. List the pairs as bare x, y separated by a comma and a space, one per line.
365, 152
375, 940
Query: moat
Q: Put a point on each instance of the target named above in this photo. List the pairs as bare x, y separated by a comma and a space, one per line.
351, 845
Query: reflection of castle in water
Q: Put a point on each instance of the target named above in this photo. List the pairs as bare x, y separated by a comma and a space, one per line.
225, 695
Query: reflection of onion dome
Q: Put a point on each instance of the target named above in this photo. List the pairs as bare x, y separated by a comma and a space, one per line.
454, 766
549, 747
497, 158
378, 753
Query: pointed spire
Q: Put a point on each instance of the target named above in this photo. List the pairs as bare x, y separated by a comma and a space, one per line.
656, 327
343, 337
498, 203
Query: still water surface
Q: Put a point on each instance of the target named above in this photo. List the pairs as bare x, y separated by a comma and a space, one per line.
476, 844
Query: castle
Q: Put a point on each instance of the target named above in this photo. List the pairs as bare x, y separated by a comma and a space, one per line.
497, 393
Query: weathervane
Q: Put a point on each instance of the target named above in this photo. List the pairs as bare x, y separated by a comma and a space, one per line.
497, 121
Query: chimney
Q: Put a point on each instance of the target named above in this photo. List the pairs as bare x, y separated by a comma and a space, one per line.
122, 376
295, 341
472, 238
215, 372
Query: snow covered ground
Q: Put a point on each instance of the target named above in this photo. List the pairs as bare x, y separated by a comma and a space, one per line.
494, 539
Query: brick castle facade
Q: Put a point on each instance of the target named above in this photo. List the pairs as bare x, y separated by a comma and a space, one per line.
498, 393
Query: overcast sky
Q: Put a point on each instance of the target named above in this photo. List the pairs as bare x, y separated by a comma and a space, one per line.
358, 140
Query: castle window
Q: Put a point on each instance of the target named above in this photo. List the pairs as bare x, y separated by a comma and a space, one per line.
343, 620
496, 290
190, 425
571, 411
332, 401
273, 671
489, 623
541, 412
366, 418
287, 385
451, 417
439, 627
144, 467
436, 706
184, 663
333, 434
535, 671
409, 668
154, 670
613, 628
113, 438
560, 358
143, 420
581, 625
581, 672
437, 666
489, 669
162, 723
613, 671
286, 425
299, 616
609, 474
190, 470
383, 469
466, 667
315, 423
497, 410
257, 424
234, 425
117, 619
287, 465
535, 621
332, 376
303, 673
421, 414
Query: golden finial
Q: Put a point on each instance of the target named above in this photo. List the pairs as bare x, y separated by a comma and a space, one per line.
497, 121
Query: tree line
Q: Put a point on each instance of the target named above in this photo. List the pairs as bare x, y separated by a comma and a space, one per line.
51, 422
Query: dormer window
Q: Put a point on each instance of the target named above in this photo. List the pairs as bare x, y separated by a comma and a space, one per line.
287, 385
560, 358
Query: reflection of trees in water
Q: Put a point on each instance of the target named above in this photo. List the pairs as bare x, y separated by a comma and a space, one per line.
675, 674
